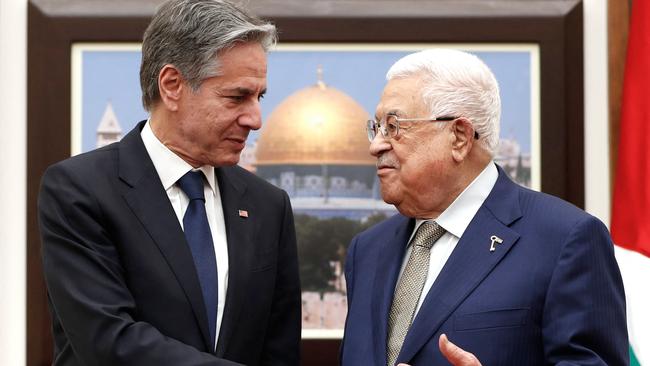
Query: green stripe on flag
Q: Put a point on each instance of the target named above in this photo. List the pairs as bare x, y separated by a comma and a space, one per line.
633, 360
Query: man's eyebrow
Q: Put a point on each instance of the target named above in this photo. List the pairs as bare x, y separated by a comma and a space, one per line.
394, 112
238, 90
243, 91
391, 112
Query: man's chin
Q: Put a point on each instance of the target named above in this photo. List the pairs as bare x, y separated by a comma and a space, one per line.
389, 197
225, 161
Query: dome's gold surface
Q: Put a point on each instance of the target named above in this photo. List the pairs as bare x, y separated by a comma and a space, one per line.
316, 125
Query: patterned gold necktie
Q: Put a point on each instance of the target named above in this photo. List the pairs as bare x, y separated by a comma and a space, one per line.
409, 288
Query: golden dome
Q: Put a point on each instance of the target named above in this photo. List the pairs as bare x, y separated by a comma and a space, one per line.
314, 126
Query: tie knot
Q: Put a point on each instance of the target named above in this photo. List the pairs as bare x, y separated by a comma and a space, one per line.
192, 184
428, 233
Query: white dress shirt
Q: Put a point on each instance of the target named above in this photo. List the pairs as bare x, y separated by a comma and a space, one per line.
455, 220
171, 168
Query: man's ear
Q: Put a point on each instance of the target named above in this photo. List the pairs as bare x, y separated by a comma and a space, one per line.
463, 139
170, 85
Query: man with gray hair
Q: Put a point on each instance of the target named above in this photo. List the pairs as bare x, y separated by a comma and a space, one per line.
158, 250
511, 276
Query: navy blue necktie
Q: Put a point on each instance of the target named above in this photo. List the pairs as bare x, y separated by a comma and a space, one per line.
199, 238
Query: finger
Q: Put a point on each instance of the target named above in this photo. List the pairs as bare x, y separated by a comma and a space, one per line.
456, 355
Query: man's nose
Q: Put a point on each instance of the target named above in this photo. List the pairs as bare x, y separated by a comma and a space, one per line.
379, 145
252, 118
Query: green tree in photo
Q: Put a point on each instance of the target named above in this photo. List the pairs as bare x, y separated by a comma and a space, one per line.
322, 243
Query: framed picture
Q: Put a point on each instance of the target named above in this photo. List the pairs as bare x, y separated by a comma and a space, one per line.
313, 143
545, 38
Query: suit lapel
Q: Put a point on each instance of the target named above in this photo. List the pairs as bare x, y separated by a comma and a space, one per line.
470, 262
240, 232
149, 202
389, 263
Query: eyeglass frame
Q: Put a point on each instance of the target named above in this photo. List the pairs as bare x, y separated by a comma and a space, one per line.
372, 125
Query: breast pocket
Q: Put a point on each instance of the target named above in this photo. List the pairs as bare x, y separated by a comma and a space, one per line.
500, 318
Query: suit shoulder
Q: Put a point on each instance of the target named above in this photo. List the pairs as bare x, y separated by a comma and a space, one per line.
253, 181
535, 199
87, 163
552, 212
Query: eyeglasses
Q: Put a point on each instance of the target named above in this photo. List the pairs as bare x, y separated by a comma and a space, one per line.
389, 125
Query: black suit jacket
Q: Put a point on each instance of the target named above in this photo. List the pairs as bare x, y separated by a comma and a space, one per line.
120, 277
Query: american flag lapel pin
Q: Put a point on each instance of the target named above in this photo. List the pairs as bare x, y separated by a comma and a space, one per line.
243, 213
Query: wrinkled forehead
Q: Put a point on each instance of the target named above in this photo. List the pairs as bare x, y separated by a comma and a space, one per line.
401, 96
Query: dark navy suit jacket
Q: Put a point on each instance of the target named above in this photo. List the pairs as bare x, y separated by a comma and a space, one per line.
550, 294
120, 276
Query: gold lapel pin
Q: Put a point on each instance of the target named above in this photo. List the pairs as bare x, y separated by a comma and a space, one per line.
495, 240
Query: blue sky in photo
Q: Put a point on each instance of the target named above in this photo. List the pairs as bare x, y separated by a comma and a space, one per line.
113, 76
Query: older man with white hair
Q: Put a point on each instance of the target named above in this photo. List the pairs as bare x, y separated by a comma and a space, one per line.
511, 276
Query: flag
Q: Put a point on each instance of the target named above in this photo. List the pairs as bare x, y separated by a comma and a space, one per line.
631, 203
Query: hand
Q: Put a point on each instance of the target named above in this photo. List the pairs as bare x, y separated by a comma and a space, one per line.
456, 355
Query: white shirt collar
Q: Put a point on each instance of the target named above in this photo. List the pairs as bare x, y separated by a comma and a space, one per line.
170, 167
460, 213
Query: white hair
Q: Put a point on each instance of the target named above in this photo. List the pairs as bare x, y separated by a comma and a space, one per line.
456, 84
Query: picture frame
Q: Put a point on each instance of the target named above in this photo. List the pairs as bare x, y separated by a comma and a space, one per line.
556, 28
330, 91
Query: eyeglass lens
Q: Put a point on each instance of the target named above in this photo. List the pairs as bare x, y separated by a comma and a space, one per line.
388, 126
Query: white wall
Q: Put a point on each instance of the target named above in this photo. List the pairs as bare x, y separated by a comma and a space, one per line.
13, 162
597, 200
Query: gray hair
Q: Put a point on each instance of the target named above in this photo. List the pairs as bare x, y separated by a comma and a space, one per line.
189, 34
456, 84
